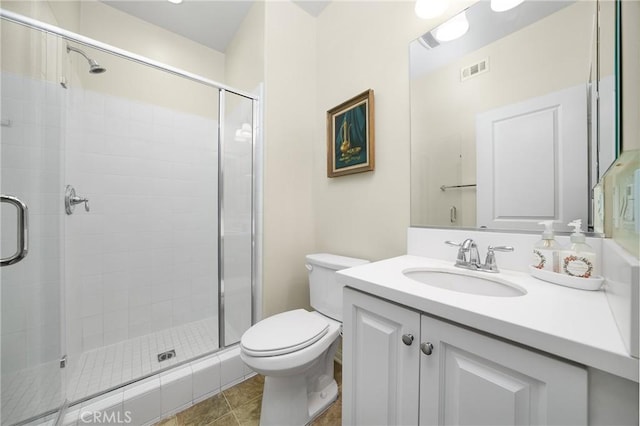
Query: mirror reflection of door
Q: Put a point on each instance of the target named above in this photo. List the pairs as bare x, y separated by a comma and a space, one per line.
520, 149
548, 49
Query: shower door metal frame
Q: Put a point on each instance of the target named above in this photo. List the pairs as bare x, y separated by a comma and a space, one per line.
104, 47
255, 312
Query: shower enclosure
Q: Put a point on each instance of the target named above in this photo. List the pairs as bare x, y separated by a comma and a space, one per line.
128, 217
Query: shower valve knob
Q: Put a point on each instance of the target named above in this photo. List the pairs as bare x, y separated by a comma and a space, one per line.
71, 199
82, 200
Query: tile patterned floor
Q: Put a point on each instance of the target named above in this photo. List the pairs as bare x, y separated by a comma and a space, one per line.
240, 406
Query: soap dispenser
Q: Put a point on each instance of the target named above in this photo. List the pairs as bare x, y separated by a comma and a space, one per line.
546, 251
579, 260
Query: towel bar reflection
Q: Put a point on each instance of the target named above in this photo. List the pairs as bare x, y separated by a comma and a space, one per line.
445, 187
23, 230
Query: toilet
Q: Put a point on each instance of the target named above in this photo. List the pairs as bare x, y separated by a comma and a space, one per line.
294, 350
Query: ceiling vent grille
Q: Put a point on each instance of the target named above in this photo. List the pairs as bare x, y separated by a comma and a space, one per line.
474, 69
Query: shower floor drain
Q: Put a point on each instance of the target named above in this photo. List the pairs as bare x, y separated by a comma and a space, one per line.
166, 355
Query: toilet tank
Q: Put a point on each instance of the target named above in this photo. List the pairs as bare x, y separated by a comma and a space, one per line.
324, 290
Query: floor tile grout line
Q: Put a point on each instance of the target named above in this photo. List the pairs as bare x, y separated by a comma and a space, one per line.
233, 413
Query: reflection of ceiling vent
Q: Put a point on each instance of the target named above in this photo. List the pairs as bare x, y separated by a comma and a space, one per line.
474, 69
428, 41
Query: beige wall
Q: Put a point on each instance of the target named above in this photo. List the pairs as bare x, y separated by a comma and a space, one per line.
364, 45
27, 52
124, 78
289, 217
108, 25
130, 80
119, 29
244, 57
312, 65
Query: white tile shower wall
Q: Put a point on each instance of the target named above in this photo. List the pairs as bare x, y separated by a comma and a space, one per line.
31, 170
144, 258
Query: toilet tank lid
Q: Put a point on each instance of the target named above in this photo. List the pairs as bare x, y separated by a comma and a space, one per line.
333, 261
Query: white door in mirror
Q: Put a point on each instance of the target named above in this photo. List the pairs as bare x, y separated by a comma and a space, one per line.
519, 148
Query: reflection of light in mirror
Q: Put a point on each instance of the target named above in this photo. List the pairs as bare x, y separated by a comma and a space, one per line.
427, 9
244, 133
454, 28
504, 5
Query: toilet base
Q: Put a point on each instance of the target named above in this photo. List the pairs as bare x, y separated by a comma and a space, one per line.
297, 399
301, 407
320, 401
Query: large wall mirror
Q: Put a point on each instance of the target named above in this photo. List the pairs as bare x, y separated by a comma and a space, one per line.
515, 121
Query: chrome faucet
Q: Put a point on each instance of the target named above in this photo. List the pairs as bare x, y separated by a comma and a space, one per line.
473, 260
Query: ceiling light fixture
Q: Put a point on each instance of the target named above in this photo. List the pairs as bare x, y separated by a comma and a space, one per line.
504, 5
427, 9
454, 28
175, 1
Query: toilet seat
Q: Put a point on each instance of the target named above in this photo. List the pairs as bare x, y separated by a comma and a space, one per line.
284, 333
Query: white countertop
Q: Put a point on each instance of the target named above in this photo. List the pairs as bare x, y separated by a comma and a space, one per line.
569, 323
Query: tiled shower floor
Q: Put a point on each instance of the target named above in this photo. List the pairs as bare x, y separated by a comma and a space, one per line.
28, 393
109, 366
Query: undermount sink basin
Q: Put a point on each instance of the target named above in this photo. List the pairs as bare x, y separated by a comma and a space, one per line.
464, 281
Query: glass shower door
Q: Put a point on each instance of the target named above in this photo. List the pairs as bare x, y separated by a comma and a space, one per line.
31, 230
237, 224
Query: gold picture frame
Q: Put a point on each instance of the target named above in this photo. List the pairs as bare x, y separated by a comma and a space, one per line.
350, 136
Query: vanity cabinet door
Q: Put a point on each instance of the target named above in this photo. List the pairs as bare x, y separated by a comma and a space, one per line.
380, 362
472, 379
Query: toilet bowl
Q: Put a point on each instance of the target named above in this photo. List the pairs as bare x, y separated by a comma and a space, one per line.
294, 350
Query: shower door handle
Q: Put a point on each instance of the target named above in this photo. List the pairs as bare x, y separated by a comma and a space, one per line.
23, 230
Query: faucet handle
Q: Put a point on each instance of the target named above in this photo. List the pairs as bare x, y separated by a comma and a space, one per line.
461, 259
500, 248
490, 262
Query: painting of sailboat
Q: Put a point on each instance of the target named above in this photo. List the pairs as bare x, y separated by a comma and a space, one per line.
350, 141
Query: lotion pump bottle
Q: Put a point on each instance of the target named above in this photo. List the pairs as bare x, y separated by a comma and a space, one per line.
546, 251
580, 259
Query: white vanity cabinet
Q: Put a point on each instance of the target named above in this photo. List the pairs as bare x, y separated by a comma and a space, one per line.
447, 374
381, 386
473, 379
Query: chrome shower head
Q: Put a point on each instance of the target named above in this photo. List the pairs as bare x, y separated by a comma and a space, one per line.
94, 67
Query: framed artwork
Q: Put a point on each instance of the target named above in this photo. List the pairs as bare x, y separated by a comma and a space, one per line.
350, 136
